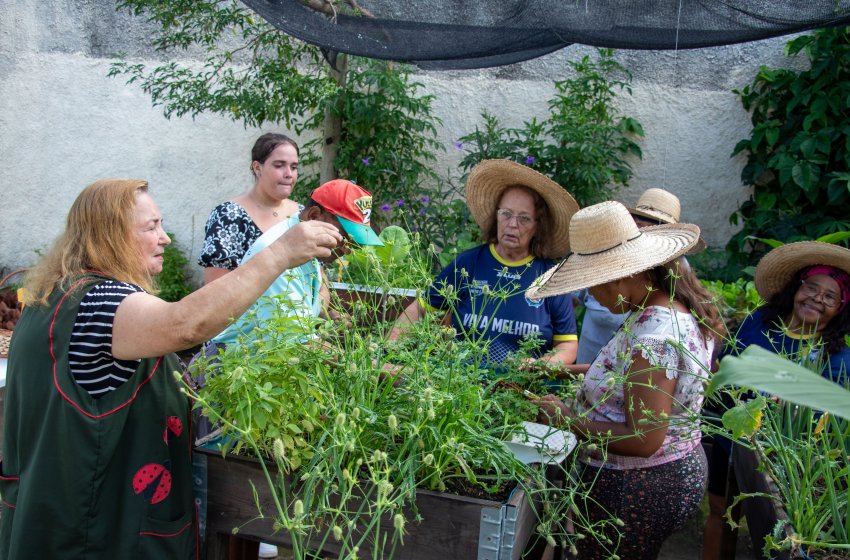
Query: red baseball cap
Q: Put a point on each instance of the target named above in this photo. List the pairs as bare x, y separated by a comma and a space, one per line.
352, 205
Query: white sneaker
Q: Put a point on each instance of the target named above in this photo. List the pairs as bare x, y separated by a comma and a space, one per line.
267, 550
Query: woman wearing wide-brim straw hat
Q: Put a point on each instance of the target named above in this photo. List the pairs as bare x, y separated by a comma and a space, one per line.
654, 207
640, 397
524, 219
806, 318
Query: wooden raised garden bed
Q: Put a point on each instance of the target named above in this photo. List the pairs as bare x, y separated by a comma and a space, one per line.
386, 304
453, 527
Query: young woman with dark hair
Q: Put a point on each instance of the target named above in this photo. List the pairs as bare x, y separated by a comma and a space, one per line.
233, 226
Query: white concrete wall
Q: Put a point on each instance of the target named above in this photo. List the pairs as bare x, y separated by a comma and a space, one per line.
63, 123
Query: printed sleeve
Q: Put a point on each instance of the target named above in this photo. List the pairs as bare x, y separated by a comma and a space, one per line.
563, 318
654, 337
227, 236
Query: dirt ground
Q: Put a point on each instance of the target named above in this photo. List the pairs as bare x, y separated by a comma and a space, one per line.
686, 544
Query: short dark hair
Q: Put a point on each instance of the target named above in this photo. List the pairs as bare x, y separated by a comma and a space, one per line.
267, 143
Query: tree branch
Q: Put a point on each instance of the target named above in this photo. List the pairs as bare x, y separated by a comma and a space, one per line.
327, 7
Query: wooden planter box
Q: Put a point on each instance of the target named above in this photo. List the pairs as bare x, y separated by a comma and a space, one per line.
387, 303
762, 513
453, 527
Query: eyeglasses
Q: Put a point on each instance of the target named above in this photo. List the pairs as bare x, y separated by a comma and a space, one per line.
829, 299
522, 220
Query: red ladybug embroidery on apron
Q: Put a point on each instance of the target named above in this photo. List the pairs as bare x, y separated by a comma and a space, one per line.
173, 425
153, 481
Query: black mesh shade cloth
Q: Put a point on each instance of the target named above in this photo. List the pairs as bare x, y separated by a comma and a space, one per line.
461, 34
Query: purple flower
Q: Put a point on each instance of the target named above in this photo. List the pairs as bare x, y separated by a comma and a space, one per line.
385, 208
365, 161
529, 160
459, 145
425, 199
399, 203
423, 211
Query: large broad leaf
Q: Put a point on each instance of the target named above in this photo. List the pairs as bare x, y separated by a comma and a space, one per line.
762, 370
396, 244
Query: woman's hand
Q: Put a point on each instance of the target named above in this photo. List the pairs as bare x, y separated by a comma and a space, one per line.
553, 410
306, 241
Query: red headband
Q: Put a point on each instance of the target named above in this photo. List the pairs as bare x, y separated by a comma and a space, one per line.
841, 277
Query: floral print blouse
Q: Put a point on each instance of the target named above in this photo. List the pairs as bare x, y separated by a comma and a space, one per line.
228, 235
668, 339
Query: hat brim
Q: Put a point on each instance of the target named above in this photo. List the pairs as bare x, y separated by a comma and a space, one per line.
656, 215
664, 218
654, 246
490, 178
362, 234
779, 266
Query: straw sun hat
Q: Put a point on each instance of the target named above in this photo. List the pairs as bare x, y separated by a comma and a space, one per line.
779, 266
660, 205
608, 246
490, 178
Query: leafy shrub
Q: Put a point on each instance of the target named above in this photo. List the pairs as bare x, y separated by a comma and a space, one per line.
584, 145
734, 300
798, 153
388, 140
175, 282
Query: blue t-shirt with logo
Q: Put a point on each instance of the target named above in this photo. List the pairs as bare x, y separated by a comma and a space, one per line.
488, 294
834, 367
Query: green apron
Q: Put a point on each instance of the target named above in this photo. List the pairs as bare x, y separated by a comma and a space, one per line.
88, 478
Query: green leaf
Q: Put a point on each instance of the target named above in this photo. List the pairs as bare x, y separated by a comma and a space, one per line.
803, 174
772, 135
744, 419
772, 243
763, 370
766, 199
836, 237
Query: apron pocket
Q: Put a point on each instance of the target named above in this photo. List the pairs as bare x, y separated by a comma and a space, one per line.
167, 539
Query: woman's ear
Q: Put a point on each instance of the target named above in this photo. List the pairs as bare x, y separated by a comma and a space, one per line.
313, 213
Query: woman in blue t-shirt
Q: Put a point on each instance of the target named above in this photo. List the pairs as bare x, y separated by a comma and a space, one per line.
524, 217
806, 318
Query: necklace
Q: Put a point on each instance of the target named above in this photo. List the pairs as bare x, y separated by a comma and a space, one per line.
274, 209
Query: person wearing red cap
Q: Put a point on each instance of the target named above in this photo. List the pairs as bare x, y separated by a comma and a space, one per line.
298, 292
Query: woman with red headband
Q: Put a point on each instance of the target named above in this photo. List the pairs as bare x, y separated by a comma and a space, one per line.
807, 289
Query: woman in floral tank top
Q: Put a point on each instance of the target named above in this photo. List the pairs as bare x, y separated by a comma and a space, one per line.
639, 402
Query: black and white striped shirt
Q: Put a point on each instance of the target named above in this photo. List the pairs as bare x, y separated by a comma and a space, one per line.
90, 352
